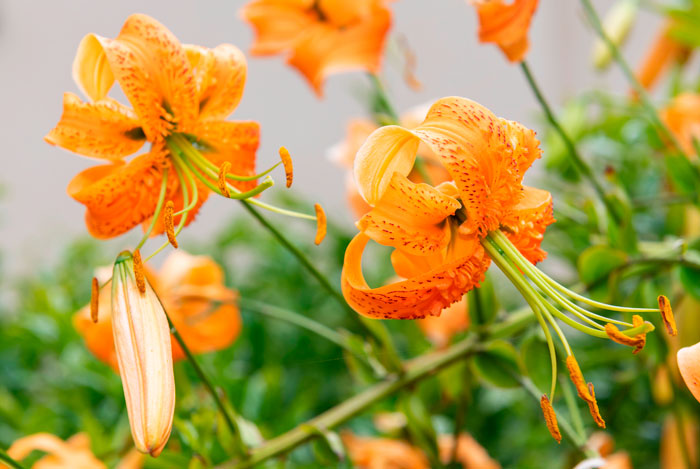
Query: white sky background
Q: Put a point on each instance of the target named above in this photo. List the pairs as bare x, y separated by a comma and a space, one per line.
38, 40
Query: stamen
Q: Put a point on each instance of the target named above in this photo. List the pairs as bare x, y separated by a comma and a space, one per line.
550, 418
138, 272
667, 315
168, 223
222, 178
615, 335
94, 300
288, 167
593, 408
320, 224
638, 321
577, 379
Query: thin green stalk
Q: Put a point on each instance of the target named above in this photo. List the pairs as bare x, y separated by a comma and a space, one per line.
381, 336
385, 107
159, 206
571, 404
579, 162
9, 461
299, 320
629, 74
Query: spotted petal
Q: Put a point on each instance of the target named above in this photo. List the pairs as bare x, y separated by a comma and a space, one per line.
528, 221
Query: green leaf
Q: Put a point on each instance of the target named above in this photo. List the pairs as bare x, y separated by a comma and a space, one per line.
537, 362
483, 304
420, 425
596, 263
498, 365
690, 278
328, 448
683, 175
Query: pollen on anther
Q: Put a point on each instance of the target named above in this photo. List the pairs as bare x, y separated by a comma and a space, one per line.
616, 335
550, 418
667, 315
320, 224
169, 224
223, 170
138, 272
95, 300
577, 379
288, 167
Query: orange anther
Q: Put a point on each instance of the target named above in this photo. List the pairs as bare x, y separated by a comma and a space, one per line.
550, 418
320, 224
667, 315
138, 272
94, 300
223, 170
169, 223
288, 167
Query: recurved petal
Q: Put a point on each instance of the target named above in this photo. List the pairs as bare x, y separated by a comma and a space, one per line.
506, 24
91, 70
75, 453
152, 69
325, 49
342, 13
235, 142
410, 216
220, 75
423, 295
485, 155
689, 366
278, 24
119, 196
103, 129
388, 150
528, 221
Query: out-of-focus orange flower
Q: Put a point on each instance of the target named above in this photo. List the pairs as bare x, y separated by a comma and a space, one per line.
664, 52
506, 25
178, 93
357, 132
682, 117
192, 291
469, 452
75, 453
321, 37
452, 320
604, 445
436, 231
671, 450
689, 366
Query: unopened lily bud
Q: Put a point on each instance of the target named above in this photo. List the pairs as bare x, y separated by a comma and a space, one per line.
142, 343
616, 24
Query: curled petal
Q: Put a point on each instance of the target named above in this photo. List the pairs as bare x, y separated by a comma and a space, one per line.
507, 25
152, 69
232, 141
410, 216
104, 129
689, 366
423, 295
383, 453
119, 196
663, 53
74, 453
91, 70
325, 49
526, 224
486, 156
220, 75
277, 24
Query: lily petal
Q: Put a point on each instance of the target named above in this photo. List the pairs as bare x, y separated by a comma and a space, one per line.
104, 129
74, 453
506, 24
91, 70
278, 24
220, 74
152, 69
423, 295
119, 196
689, 366
528, 222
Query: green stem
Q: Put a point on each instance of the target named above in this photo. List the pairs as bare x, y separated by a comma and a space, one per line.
629, 74
385, 108
299, 320
579, 162
159, 206
9, 461
574, 410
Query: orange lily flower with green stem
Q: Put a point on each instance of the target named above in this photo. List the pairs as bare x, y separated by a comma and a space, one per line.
180, 95
506, 25
445, 237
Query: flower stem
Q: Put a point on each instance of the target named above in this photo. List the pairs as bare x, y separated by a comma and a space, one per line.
384, 111
629, 74
159, 206
579, 162
4, 457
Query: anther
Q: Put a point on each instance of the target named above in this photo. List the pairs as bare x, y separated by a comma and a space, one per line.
577, 379
637, 321
169, 224
95, 300
615, 335
223, 170
138, 272
667, 315
320, 224
593, 408
288, 167
550, 418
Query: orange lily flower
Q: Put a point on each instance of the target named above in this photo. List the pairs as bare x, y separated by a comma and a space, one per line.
192, 290
671, 451
74, 453
506, 25
682, 117
689, 366
664, 52
452, 320
321, 37
180, 95
445, 237
469, 452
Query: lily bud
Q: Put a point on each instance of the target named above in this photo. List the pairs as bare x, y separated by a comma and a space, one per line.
616, 24
142, 343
